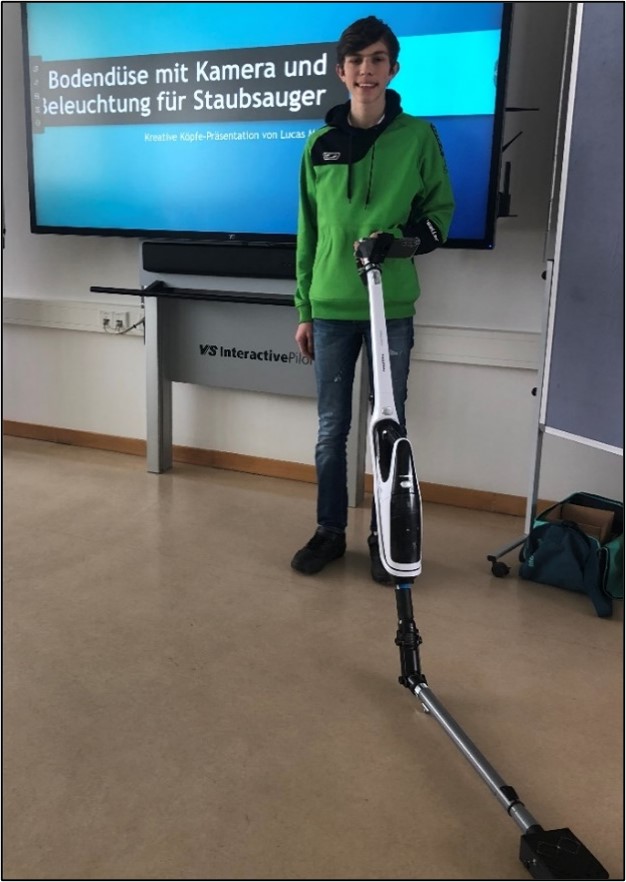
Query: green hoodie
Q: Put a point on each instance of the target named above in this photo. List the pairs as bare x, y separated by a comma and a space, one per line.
353, 182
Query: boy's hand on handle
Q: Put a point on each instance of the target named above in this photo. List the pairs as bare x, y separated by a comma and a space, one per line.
304, 338
358, 241
361, 262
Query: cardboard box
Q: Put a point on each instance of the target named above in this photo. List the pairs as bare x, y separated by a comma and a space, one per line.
595, 522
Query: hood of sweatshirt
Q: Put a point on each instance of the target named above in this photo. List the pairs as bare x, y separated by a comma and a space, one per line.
352, 143
337, 116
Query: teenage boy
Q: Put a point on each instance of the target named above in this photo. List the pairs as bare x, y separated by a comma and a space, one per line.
371, 168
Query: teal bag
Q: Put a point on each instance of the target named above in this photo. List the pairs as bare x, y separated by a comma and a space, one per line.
560, 552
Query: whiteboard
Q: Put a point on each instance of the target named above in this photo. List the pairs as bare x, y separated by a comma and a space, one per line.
583, 389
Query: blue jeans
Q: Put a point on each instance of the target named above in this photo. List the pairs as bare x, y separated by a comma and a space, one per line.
337, 345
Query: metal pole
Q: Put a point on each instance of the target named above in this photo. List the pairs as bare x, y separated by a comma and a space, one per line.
158, 391
504, 792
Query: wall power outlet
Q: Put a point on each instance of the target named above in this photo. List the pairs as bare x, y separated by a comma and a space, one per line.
114, 320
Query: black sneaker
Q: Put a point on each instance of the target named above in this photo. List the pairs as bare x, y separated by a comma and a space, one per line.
379, 573
324, 547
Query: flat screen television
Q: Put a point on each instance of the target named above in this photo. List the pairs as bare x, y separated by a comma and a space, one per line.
188, 120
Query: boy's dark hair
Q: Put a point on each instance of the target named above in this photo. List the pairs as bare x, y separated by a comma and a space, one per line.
362, 33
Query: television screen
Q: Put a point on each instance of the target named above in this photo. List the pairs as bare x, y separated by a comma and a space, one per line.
189, 119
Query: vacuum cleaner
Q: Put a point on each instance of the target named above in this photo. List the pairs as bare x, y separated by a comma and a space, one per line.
546, 854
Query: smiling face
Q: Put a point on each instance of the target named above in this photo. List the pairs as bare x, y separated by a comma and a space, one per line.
366, 74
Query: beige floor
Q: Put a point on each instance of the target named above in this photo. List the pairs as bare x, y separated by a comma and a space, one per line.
179, 704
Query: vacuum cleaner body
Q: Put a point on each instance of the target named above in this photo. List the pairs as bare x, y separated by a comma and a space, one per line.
397, 500
396, 488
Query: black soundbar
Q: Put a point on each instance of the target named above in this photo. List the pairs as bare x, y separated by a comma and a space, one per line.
248, 260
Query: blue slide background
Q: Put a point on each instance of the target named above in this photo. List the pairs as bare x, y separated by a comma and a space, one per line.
110, 177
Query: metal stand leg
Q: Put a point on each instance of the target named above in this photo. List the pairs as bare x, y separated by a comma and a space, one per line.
158, 392
498, 567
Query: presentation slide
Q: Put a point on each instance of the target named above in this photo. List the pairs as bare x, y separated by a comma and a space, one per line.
192, 117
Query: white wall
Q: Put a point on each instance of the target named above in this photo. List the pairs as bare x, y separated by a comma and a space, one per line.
472, 419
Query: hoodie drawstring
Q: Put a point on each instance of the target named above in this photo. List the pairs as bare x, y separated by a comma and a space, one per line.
369, 182
349, 183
